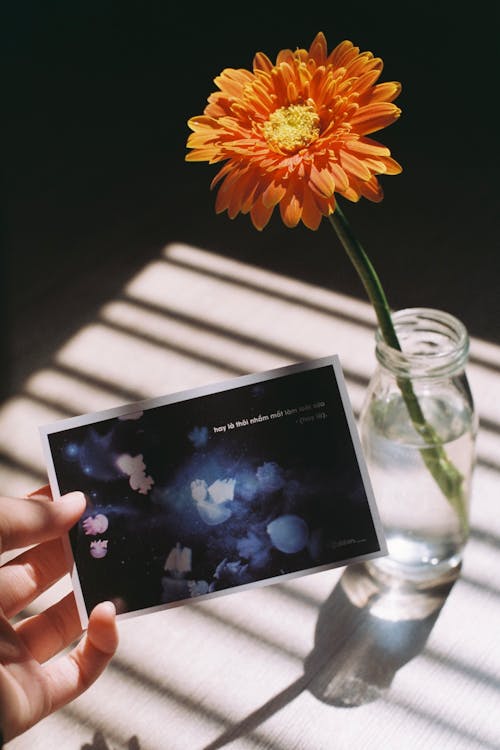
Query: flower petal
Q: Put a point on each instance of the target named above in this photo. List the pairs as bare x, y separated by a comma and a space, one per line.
351, 193
372, 190
342, 54
386, 92
272, 195
291, 206
362, 64
232, 81
391, 165
260, 214
318, 49
228, 167
365, 82
340, 177
285, 56
262, 62
367, 146
313, 210
322, 180
374, 117
204, 154
355, 166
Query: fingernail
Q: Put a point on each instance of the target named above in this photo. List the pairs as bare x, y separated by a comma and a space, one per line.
110, 608
73, 497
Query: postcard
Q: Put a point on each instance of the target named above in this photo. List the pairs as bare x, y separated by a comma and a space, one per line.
211, 491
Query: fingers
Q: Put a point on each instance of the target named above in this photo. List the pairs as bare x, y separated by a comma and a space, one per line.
30, 574
27, 521
102, 630
49, 632
69, 676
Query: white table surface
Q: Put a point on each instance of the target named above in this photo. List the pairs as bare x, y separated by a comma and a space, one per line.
323, 662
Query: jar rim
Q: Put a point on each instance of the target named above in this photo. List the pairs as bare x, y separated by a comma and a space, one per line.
433, 343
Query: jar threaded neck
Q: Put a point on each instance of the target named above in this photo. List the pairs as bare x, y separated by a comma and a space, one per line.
434, 344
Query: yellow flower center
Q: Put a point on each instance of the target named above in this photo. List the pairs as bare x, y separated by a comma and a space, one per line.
291, 128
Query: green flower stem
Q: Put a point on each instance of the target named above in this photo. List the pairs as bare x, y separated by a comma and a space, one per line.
447, 476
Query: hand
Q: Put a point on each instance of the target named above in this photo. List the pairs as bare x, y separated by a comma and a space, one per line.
30, 689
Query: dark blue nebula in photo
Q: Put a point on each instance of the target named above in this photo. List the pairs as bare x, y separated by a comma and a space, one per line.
199, 436
225, 489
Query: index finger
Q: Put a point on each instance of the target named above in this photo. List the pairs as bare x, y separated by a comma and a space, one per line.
30, 520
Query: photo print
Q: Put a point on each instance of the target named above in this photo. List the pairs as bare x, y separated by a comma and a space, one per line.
247, 482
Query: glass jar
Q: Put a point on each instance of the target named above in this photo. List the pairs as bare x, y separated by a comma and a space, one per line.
418, 430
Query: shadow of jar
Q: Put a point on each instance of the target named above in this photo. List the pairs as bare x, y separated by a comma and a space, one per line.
367, 629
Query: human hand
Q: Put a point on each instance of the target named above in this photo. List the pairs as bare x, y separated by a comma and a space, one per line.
29, 688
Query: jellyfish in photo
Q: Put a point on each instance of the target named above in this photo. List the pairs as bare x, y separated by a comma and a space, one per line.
289, 533
255, 548
135, 468
199, 436
270, 476
99, 548
95, 524
222, 490
177, 565
198, 588
210, 501
199, 490
71, 451
178, 560
95, 456
231, 573
132, 416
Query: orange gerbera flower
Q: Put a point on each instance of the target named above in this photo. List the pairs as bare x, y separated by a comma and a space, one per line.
294, 133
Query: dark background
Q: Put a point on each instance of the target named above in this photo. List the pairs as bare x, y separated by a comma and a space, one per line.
96, 99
